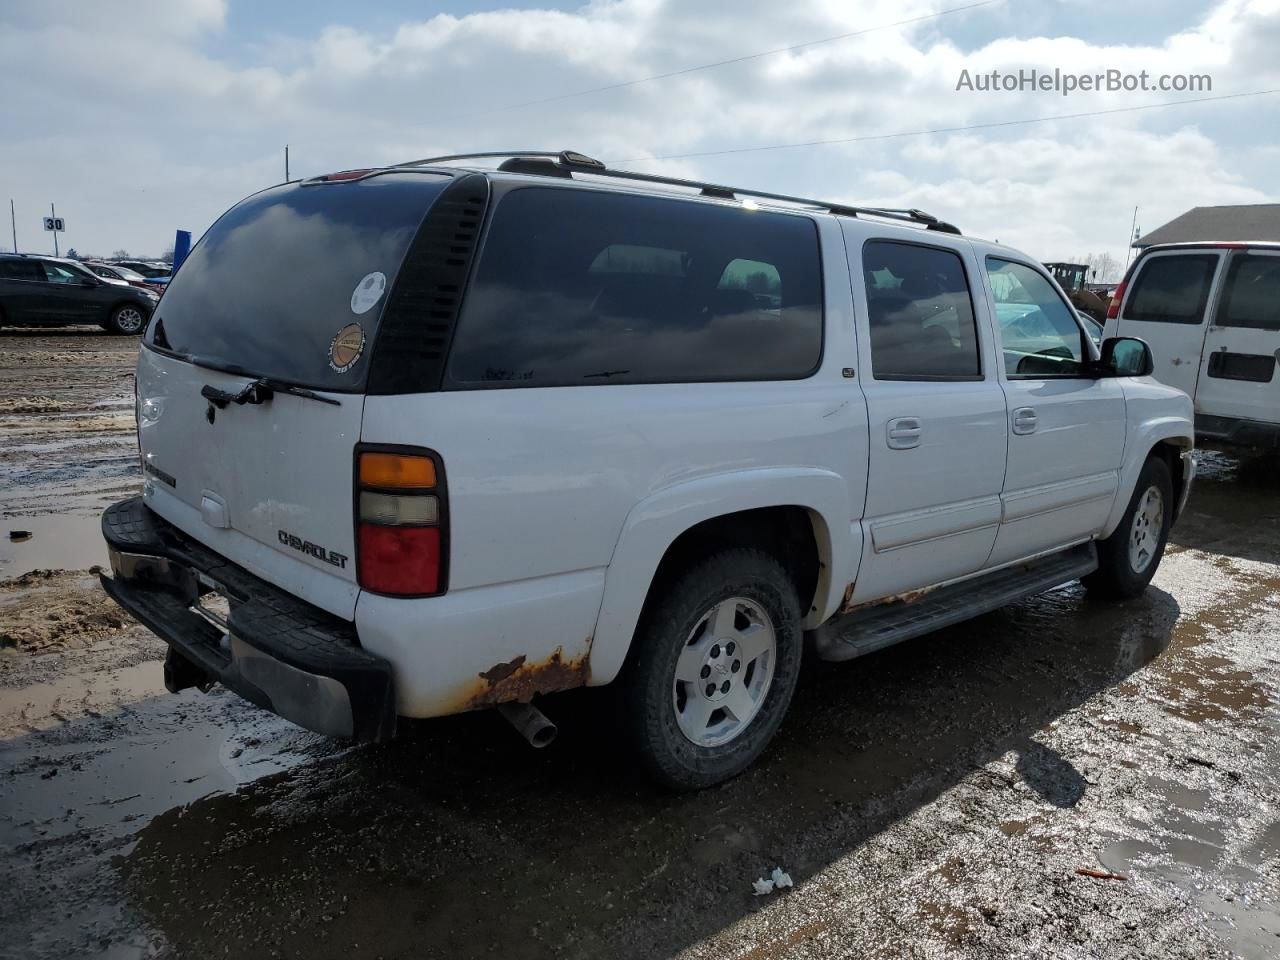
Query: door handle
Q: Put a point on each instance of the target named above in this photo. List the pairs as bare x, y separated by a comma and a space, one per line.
904, 433
1024, 420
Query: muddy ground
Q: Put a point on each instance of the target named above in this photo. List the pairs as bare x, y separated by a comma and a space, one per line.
934, 800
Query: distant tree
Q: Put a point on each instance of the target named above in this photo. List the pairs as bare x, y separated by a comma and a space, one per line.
120, 254
1103, 267
71, 252
167, 256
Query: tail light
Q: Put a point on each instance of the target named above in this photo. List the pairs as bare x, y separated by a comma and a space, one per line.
1113, 308
401, 522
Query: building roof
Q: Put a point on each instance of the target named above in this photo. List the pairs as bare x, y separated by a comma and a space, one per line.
1256, 221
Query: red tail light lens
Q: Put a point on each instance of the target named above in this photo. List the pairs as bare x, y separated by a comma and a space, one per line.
401, 522
1113, 308
404, 561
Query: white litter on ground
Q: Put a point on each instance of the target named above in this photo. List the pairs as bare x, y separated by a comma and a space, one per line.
775, 881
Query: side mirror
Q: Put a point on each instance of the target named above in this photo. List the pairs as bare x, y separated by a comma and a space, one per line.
1125, 357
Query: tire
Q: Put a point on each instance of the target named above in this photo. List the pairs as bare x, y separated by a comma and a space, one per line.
128, 319
1127, 560
752, 596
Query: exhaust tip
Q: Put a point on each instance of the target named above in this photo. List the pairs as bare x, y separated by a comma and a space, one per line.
530, 722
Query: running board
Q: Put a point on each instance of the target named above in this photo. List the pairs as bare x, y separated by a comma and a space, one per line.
884, 624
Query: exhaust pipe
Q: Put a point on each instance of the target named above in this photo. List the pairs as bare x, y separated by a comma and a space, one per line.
530, 722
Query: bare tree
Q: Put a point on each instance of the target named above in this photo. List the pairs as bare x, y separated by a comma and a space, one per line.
120, 254
1103, 267
167, 256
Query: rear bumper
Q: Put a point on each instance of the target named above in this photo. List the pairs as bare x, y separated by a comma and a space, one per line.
1236, 433
267, 645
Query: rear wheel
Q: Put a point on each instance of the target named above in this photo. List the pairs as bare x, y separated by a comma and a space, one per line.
127, 319
715, 663
1127, 560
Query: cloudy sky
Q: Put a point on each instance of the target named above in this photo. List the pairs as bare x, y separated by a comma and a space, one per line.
139, 118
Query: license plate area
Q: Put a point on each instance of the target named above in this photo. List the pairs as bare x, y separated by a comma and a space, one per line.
214, 602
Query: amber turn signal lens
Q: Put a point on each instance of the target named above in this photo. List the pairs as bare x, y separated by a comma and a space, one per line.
397, 471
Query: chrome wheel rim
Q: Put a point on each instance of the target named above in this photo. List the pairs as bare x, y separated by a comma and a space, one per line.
724, 672
1144, 532
129, 319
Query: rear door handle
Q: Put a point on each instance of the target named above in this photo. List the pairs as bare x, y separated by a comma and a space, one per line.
904, 433
1024, 420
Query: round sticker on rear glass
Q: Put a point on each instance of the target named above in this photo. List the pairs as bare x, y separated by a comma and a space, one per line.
346, 347
368, 292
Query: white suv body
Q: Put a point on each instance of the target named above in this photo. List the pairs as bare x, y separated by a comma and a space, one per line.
884, 427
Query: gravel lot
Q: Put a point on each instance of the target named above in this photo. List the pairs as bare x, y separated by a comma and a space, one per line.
938, 799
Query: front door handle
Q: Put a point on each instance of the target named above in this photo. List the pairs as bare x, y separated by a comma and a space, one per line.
1024, 420
904, 433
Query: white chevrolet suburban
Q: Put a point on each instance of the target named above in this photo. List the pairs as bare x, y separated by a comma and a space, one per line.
443, 436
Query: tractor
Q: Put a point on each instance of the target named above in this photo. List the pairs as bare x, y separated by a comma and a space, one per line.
1072, 277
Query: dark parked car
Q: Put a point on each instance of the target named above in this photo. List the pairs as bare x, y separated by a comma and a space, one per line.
115, 271
149, 270
48, 290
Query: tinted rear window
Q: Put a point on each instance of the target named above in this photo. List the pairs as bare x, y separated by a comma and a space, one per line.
21, 270
1252, 297
588, 287
1172, 289
272, 283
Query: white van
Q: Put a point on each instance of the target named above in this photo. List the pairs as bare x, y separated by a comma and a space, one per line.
425, 439
1211, 315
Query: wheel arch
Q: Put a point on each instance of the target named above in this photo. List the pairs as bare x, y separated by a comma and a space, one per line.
1167, 438
799, 514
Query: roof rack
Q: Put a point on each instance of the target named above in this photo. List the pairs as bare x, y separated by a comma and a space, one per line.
567, 162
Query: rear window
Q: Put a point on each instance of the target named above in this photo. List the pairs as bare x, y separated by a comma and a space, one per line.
587, 287
1172, 289
1252, 297
270, 286
21, 270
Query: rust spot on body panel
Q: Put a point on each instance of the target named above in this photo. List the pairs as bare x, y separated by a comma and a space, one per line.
520, 681
910, 596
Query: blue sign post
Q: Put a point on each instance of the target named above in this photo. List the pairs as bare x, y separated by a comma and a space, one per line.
181, 247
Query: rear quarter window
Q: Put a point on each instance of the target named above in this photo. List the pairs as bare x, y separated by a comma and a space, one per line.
1252, 297
1172, 289
577, 287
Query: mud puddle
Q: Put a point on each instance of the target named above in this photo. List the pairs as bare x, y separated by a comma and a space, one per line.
53, 541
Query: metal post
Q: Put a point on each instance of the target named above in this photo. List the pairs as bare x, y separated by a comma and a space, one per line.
286, 163
54, 213
14, 221
1133, 228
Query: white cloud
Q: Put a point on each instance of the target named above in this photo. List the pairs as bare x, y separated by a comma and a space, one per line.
142, 123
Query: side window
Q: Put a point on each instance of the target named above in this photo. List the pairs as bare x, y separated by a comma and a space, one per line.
57, 273
21, 270
1252, 297
590, 287
1039, 334
1172, 289
920, 313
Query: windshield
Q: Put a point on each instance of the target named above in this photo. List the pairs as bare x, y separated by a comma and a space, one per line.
290, 284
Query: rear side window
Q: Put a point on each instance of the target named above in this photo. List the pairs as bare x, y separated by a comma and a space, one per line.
272, 285
1252, 297
920, 313
1039, 334
587, 287
1172, 289
21, 270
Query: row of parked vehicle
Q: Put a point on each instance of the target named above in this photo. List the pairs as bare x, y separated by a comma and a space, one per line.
116, 295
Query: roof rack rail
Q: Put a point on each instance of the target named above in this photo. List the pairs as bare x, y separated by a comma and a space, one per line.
559, 163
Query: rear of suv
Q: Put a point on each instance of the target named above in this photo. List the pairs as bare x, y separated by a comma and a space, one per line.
52, 291
1211, 313
428, 439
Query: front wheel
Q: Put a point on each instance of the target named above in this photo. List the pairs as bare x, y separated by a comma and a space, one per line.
715, 662
1127, 559
127, 319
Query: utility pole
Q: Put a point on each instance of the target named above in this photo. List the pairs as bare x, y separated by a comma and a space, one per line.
14, 221
54, 213
1133, 235
286, 163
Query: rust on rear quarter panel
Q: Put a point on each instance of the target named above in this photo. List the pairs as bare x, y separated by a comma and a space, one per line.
519, 680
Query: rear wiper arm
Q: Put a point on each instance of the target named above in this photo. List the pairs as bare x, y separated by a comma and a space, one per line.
259, 391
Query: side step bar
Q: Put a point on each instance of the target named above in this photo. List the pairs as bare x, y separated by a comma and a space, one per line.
882, 625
